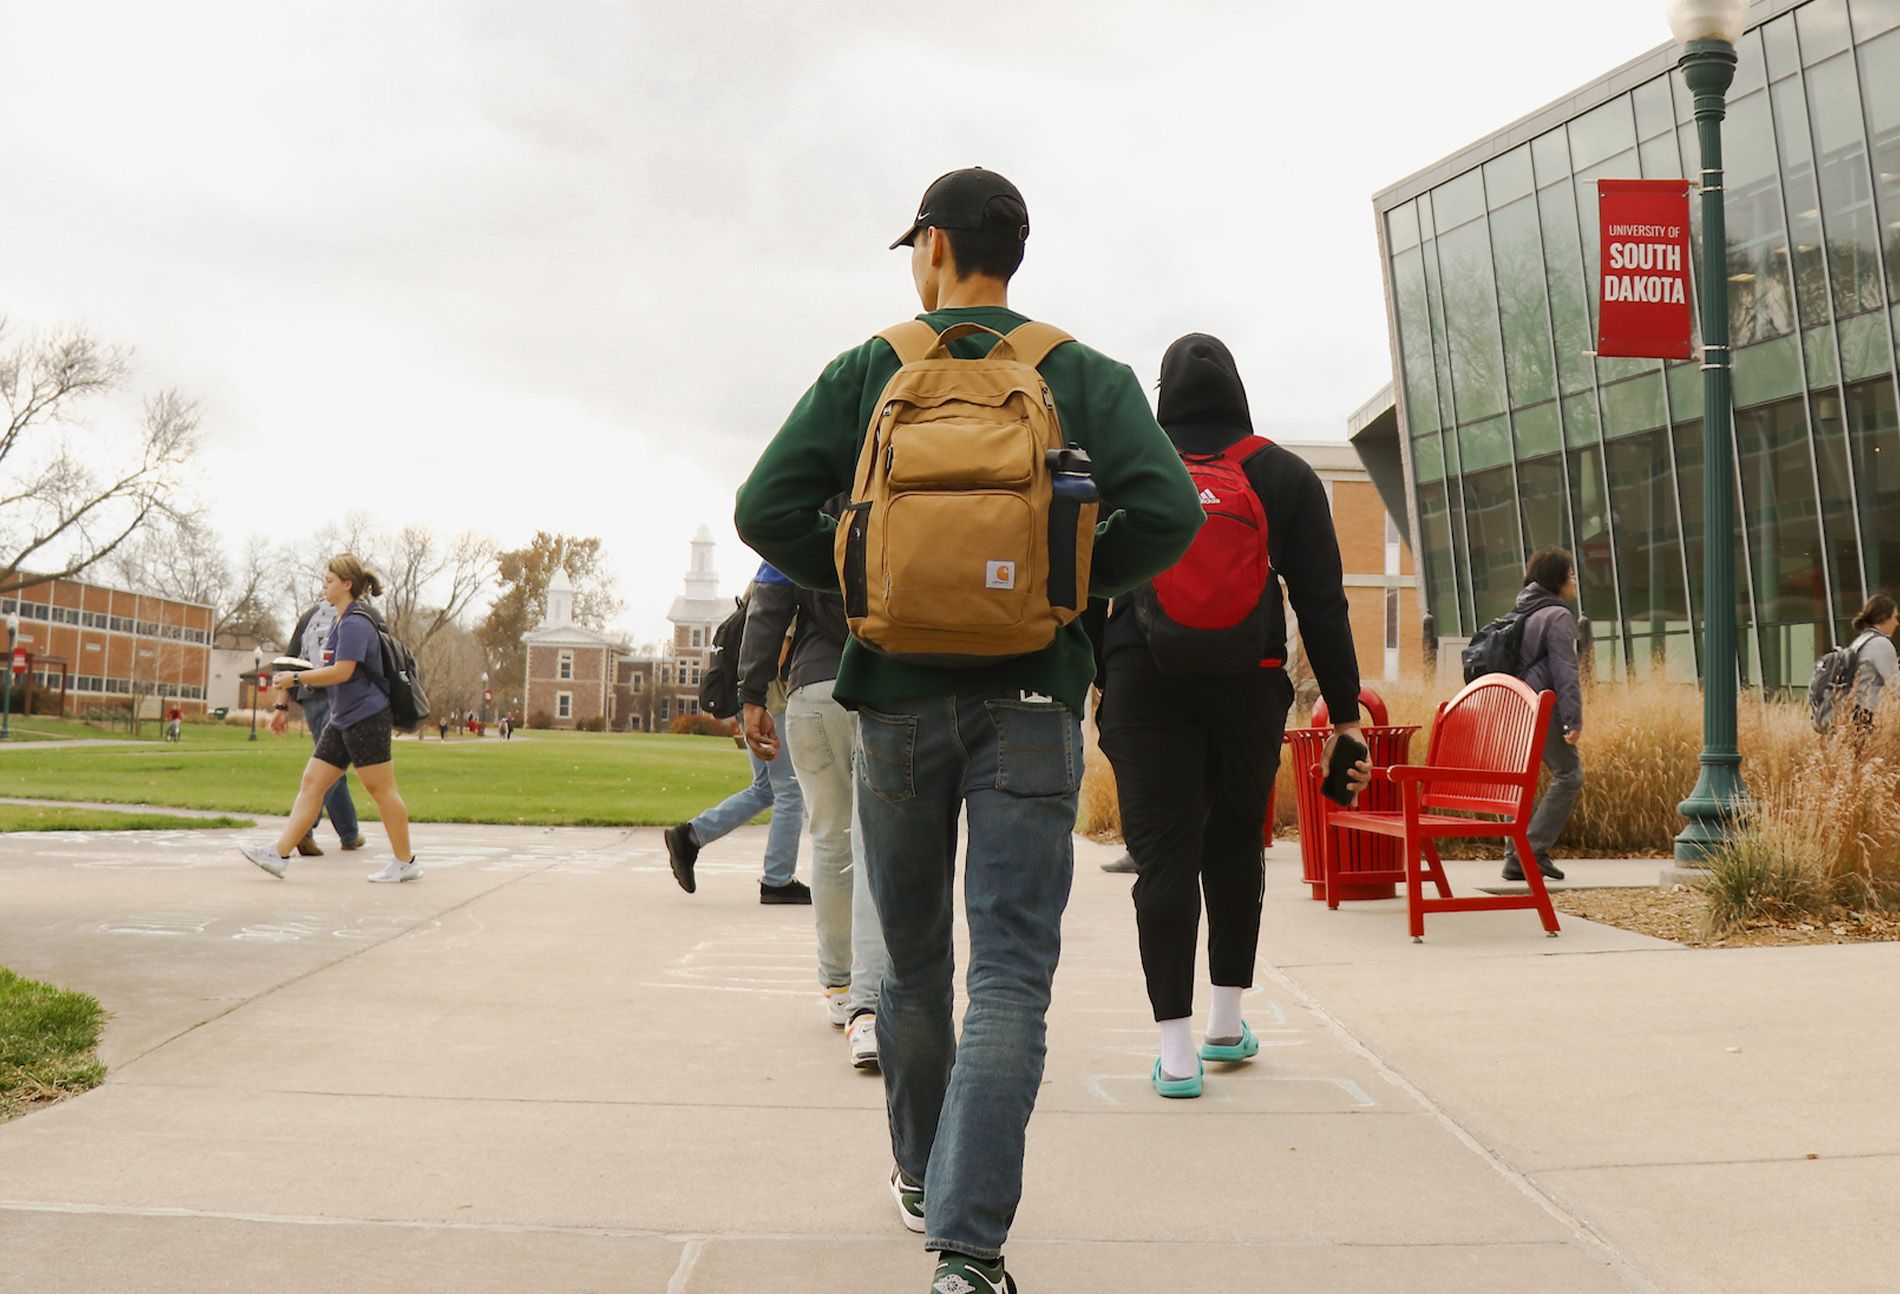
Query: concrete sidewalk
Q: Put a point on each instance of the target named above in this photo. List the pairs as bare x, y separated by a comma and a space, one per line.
543, 1067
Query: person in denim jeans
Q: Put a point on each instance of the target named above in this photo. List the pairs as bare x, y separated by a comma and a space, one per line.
307, 642
998, 743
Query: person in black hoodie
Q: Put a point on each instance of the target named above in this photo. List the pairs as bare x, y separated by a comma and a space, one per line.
1195, 754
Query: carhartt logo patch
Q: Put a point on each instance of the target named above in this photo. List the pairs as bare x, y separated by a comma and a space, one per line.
1208, 496
1000, 575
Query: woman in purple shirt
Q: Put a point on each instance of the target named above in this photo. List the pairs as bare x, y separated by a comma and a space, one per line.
359, 730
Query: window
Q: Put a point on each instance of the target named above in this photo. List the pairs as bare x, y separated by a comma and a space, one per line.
636, 682
564, 705
566, 670
1391, 545
698, 638
666, 709
1391, 619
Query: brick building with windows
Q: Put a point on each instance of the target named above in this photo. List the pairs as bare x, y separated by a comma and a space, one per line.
91, 646
1381, 581
571, 669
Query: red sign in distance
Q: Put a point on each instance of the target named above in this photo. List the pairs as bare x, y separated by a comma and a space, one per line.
487, 695
1643, 274
19, 660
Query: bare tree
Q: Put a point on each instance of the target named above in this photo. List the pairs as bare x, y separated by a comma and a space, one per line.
54, 498
430, 582
183, 558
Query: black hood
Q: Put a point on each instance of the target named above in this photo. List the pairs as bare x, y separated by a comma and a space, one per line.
1203, 406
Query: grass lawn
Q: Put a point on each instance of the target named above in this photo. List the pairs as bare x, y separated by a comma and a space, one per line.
47, 1042
550, 778
40, 817
39, 727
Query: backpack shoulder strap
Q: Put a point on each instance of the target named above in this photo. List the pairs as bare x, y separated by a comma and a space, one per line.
911, 339
1245, 448
1032, 341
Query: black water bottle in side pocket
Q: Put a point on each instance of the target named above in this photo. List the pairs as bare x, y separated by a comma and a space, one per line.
1072, 478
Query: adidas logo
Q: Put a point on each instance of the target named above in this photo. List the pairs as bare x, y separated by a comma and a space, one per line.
1208, 496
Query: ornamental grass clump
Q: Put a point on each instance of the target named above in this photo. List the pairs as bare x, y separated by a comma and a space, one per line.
1821, 836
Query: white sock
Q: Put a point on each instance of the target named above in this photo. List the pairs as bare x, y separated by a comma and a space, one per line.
1223, 1018
1178, 1057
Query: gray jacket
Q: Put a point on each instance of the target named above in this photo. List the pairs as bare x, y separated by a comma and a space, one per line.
1874, 670
1547, 657
817, 625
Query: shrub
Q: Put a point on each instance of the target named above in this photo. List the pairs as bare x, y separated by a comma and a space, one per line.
541, 719
701, 725
1822, 835
593, 723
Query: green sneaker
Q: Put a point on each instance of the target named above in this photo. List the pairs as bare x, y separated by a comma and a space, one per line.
1245, 1047
1178, 1087
910, 1199
962, 1274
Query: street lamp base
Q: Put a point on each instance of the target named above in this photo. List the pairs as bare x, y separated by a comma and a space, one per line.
1711, 810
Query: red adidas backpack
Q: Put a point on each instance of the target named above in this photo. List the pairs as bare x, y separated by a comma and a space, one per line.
1207, 614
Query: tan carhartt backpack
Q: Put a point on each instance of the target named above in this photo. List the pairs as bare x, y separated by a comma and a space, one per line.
960, 545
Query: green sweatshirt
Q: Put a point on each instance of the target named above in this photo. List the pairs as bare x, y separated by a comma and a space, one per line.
1150, 509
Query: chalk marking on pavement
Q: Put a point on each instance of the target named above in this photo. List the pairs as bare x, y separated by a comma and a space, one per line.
689, 1259
1585, 1234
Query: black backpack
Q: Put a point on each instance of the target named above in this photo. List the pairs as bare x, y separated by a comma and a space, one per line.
719, 685
1496, 648
401, 682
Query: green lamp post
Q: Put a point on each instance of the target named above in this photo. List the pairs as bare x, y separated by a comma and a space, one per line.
1708, 30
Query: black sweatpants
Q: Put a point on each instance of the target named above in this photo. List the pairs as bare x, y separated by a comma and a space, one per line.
1194, 762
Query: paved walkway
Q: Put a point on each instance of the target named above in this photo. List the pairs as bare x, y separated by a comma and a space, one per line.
545, 1068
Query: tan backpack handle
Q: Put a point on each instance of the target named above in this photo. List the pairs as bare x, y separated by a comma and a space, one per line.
911, 339
942, 349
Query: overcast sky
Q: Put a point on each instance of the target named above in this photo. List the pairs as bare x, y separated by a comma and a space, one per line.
566, 266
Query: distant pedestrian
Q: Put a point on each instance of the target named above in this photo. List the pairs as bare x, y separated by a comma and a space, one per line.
775, 787
507, 727
359, 728
1547, 662
442, 727
174, 724
1875, 666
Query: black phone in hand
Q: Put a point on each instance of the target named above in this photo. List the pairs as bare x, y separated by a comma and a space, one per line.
1347, 751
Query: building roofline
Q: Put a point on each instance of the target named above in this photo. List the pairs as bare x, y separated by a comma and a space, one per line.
38, 580
1643, 67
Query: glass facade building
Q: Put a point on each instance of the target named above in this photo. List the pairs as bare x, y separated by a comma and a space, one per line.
1513, 435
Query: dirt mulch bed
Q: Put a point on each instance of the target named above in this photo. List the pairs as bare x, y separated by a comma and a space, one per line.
1679, 914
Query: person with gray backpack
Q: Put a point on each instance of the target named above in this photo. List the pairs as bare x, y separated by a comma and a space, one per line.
1547, 662
1858, 673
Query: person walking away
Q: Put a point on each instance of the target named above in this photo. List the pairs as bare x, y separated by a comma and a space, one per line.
174, 723
1547, 662
306, 642
1195, 698
1875, 667
997, 743
822, 737
775, 787
358, 730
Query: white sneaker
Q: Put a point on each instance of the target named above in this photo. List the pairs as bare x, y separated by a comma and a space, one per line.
862, 1039
396, 870
838, 1005
267, 857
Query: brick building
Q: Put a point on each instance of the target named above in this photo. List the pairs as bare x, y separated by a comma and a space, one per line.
94, 646
1381, 581
571, 669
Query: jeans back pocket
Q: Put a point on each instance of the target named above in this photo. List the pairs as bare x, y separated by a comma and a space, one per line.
1036, 748
888, 744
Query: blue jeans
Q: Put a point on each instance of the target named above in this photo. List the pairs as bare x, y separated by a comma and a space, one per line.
775, 787
959, 1109
342, 810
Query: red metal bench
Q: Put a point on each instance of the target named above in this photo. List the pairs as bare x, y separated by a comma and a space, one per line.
1487, 744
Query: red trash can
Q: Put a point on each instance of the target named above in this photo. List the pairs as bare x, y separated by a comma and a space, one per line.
1389, 744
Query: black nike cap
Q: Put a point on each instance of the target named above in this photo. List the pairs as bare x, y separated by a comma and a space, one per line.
972, 198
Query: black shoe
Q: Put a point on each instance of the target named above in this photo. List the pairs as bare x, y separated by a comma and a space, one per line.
309, 847
682, 851
790, 892
1513, 872
1124, 865
1550, 870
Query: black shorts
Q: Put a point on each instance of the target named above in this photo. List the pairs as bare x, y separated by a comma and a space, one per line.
364, 743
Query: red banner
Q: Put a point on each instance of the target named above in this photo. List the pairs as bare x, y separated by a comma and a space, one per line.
1643, 279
